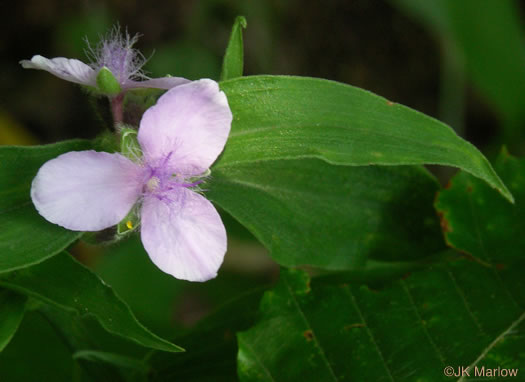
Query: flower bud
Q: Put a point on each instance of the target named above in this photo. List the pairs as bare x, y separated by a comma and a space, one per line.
107, 83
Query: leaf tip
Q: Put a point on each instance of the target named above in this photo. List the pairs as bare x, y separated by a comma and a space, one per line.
504, 191
241, 20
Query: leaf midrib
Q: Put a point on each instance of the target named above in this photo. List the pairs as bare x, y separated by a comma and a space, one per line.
494, 343
309, 326
369, 332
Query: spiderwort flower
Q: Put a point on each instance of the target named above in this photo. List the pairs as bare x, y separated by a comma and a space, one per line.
113, 60
180, 137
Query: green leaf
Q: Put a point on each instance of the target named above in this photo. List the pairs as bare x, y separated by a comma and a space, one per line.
309, 212
26, 238
80, 332
36, 353
212, 348
410, 331
65, 283
113, 359
11, 314
477, 221
281, 117
233, 62
128, 269
498, 70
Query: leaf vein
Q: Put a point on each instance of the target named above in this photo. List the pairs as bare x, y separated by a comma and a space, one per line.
425, 330
316, 341
486, 253
254, 353
494, 343
369, 332
463, 297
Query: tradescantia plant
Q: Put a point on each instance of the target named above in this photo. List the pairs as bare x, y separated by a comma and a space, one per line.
328, 177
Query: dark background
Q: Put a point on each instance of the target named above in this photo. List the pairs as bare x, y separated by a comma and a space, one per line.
370, 44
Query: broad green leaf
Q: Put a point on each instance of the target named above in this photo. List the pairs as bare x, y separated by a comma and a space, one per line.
36, 353
281, 117
41, 331
65, 283
233, 62
11, 314
117, 360
26, 238
477, 221
308, 212
477, 29
409, 331
128, 269
211, 345
82, 332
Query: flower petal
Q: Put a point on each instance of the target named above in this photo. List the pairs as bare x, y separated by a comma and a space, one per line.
86, 190
183, 235
189, 125
65, 68
156, 83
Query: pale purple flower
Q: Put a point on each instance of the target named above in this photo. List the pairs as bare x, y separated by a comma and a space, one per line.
181, 136
115, 53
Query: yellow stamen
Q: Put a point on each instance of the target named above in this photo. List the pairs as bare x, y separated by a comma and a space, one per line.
129, 224
152, 183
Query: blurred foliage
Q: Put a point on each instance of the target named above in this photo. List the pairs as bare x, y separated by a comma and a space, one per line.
367, 44
485, 39
396, 59
163, 303
53, 364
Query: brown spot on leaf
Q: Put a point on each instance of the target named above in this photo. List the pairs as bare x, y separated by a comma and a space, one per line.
448, 185
389, 103
308, 334
500, 266
469, 189
445, 226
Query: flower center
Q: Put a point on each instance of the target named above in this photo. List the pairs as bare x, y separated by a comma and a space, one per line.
152, 184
